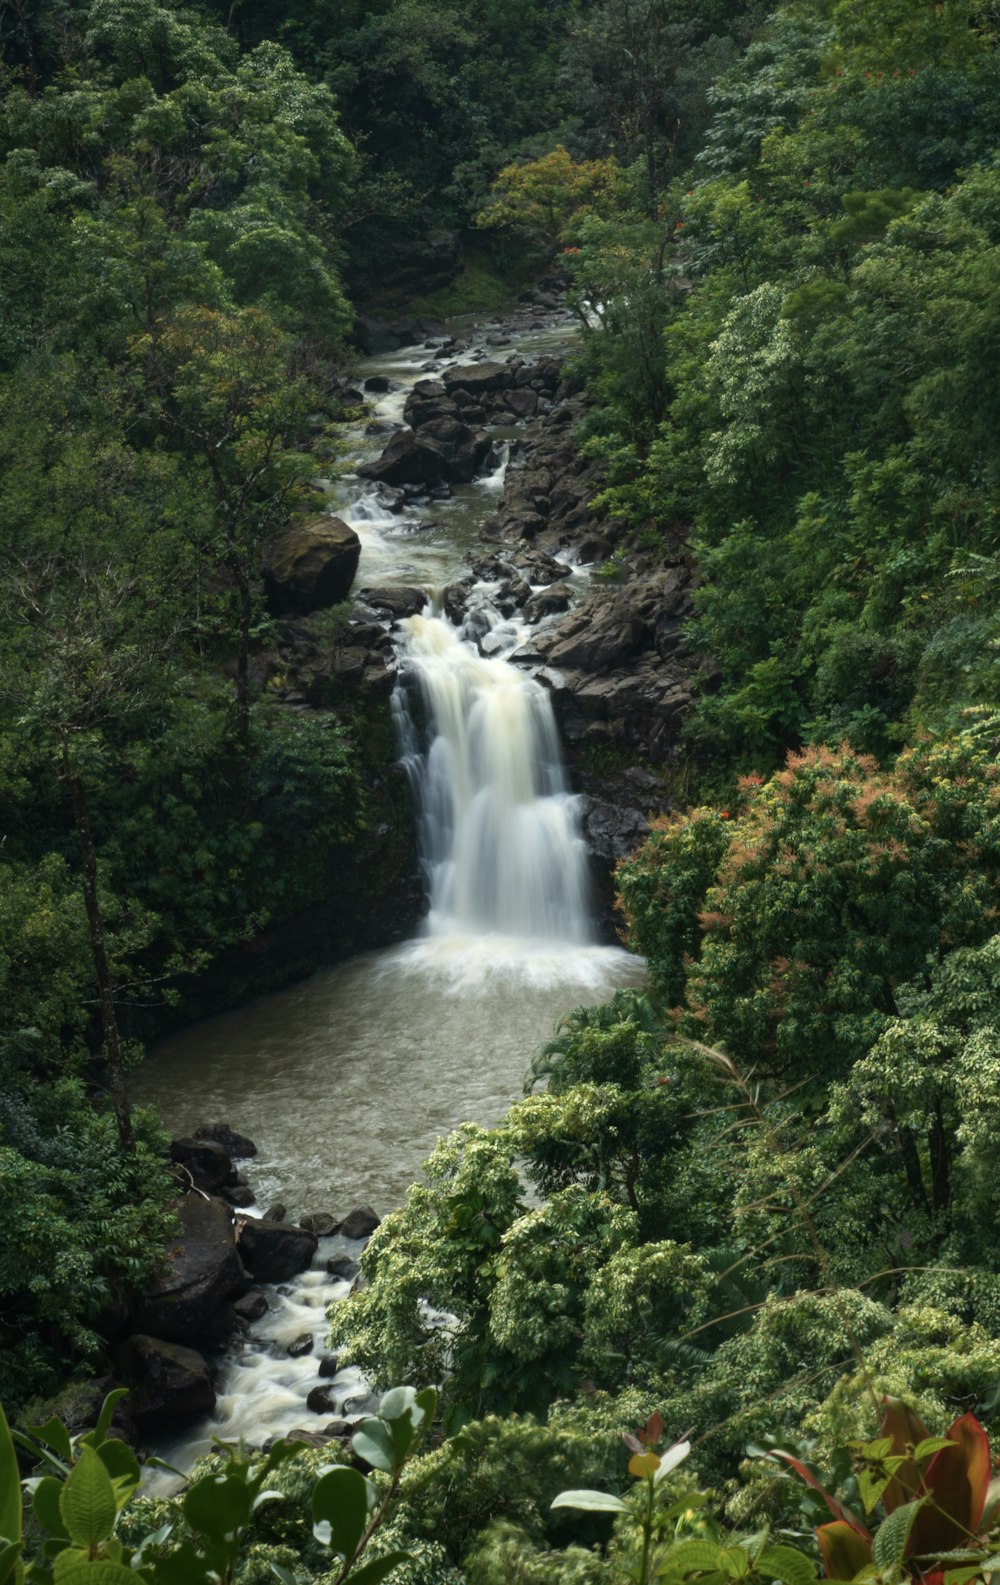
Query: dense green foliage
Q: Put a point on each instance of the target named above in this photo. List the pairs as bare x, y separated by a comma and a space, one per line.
765, 1194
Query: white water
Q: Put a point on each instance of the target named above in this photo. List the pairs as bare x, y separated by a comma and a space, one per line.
348, 1080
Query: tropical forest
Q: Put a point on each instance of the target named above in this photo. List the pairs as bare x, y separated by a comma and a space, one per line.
499, 792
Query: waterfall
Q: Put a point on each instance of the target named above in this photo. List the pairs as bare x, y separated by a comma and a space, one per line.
499, 829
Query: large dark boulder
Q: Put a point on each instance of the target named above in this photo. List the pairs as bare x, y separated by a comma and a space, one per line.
168, 1382
443, 448
397, 602
359, 1223
203, 1268
205, 1162
456, 445
311, 566
235, 1144
478, 379
275, 1251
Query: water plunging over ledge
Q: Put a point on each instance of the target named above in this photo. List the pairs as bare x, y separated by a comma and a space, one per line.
348, 1080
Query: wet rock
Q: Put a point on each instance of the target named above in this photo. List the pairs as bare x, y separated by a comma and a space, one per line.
362, 1403
252, 1305
319, 1222
301, 1345
203, 1268
205, 1162
224, 1324
359, 1223
311, 565
548, 602
313, 1439
342, 1266
328, 1366
276, 1212
275, 1251
338, 1430
235, 1144
395, 602
478, 379
391, 500
239, 1194
321, 1400
167, 1382
378, 384
612, 831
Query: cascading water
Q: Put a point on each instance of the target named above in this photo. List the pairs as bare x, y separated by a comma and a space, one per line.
499, 829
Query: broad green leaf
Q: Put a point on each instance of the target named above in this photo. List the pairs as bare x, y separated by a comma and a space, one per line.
426, 1402
396, 1402
122, 1465
786, 1564
372, 1573
9, 1555
284, 1575
218, 1506
694, 1557
891, 1537
183, 1566
735, 1561
54, 1435
87, 1501
590, 1502
100, 1571
108, 1407
10, 1485
671, 1459
342, 1499
372, 1441
929, 1445
45, 1505
403, 1433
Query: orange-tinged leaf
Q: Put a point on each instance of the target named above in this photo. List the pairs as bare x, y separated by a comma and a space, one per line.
958, 1479
643, 1465
907, 1430
843, 1551
836, 1508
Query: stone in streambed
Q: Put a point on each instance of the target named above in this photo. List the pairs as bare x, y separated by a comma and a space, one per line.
168, 1382
234, 1144
302, 1345
252, 1305
319, 1222
311, 566
203, 1268
321, 1400
205, 1162
328, 1366
275, 1251
359, 1223
276, 1212
342, 1266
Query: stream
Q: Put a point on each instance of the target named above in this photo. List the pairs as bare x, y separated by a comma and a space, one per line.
347, 1081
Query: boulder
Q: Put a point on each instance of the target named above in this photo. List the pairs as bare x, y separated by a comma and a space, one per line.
405, 460
342, 1266
359, 1223
167, 1382
238, 1194
548, 602
234, 1144
396, 602
328, 1366
205, 1162
276, 1212
301, 1345
321, 1400
319, 1222
456, 445
311, 565
251, 1306
203, 1268
478, 379
378, 383
275, 1251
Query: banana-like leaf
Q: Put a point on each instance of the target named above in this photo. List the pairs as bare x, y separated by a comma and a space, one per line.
907, 1431
958, 1479
836, 1508
843, 1551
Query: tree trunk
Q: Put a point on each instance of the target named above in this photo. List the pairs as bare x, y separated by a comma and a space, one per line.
105, 990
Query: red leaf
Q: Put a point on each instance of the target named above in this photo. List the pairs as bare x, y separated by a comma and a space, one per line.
654, 1427
843, 1551
958, 1479
907, 1429
837, 1509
